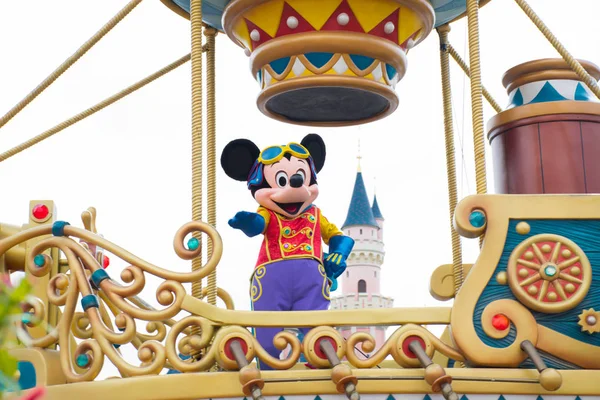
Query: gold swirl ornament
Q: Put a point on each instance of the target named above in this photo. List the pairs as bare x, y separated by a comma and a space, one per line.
397, 345
225, 356
549, 273
312, 345
255, 285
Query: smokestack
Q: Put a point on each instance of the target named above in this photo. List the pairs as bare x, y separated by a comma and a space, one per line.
548, 138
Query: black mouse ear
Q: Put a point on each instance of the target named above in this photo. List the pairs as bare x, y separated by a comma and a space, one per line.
238, 157
316, 147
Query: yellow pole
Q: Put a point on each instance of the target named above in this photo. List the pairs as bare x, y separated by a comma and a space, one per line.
476, 95
573, 63
197, 110
94, 109
69, 62
211, 125
457, 268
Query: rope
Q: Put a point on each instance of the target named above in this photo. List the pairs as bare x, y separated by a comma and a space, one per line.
573, 63
211, 125
94, 109
476, 95
197, 70
467, 71
457, 268
69, 62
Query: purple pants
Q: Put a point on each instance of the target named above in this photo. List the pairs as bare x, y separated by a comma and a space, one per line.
290, 285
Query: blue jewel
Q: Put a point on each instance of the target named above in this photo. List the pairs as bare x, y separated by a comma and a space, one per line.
82, 360
477, 219
193, 243
39, 260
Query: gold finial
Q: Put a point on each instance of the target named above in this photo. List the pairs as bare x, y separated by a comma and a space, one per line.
359, 156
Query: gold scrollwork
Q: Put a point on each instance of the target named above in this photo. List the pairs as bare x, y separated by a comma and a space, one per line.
193, 342
523, 321
325, 290
312, 351
221, 351
256, 286
84, 361
395, 346
288, 233
223, 295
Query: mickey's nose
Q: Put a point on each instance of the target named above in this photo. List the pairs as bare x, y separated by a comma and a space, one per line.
296, 180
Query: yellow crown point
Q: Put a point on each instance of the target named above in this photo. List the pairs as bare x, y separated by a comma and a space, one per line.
316, 12
371, 13
266, 16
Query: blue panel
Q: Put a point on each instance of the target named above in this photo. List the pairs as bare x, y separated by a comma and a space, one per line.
391, 71
517, 99
447, 10
259, 76
280, 65
28, 377
585, 234
581, 94
547, 94
318, 59
212, 11
362, 62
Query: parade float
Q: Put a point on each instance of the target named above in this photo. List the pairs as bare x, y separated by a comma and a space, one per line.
525, 319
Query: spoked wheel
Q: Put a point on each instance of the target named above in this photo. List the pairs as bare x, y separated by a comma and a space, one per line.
549, 273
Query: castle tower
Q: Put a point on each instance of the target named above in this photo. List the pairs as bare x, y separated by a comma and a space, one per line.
360, 283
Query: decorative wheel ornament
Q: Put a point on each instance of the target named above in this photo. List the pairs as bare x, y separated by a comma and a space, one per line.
549, 273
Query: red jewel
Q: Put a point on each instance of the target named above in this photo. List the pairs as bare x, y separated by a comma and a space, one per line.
500, 322
40, 211
105, 262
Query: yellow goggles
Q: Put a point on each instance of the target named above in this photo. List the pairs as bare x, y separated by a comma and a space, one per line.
272, 154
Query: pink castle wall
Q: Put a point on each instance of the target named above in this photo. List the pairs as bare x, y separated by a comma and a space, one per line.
369, 273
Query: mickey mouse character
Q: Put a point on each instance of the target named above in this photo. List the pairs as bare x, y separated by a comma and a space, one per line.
292, 273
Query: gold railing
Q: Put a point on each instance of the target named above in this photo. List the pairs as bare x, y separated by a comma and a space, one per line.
169, 343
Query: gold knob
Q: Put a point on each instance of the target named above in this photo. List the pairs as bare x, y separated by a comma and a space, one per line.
550, 379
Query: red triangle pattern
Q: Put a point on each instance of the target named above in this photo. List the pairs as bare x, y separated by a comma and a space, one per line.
264, 36
284, 29
379, 30
404, 45
333, 25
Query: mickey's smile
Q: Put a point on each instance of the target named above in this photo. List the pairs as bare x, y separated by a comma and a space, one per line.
290, 208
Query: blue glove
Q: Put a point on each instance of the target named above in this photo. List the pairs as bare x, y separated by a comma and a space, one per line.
250, 223
335, 262
333, 285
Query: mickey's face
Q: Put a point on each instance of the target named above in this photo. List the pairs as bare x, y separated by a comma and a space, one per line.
287, 186
289, 191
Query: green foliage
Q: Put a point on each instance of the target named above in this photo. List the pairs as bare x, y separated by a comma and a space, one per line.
10, 310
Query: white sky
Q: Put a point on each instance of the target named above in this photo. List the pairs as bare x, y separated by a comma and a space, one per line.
132, 160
